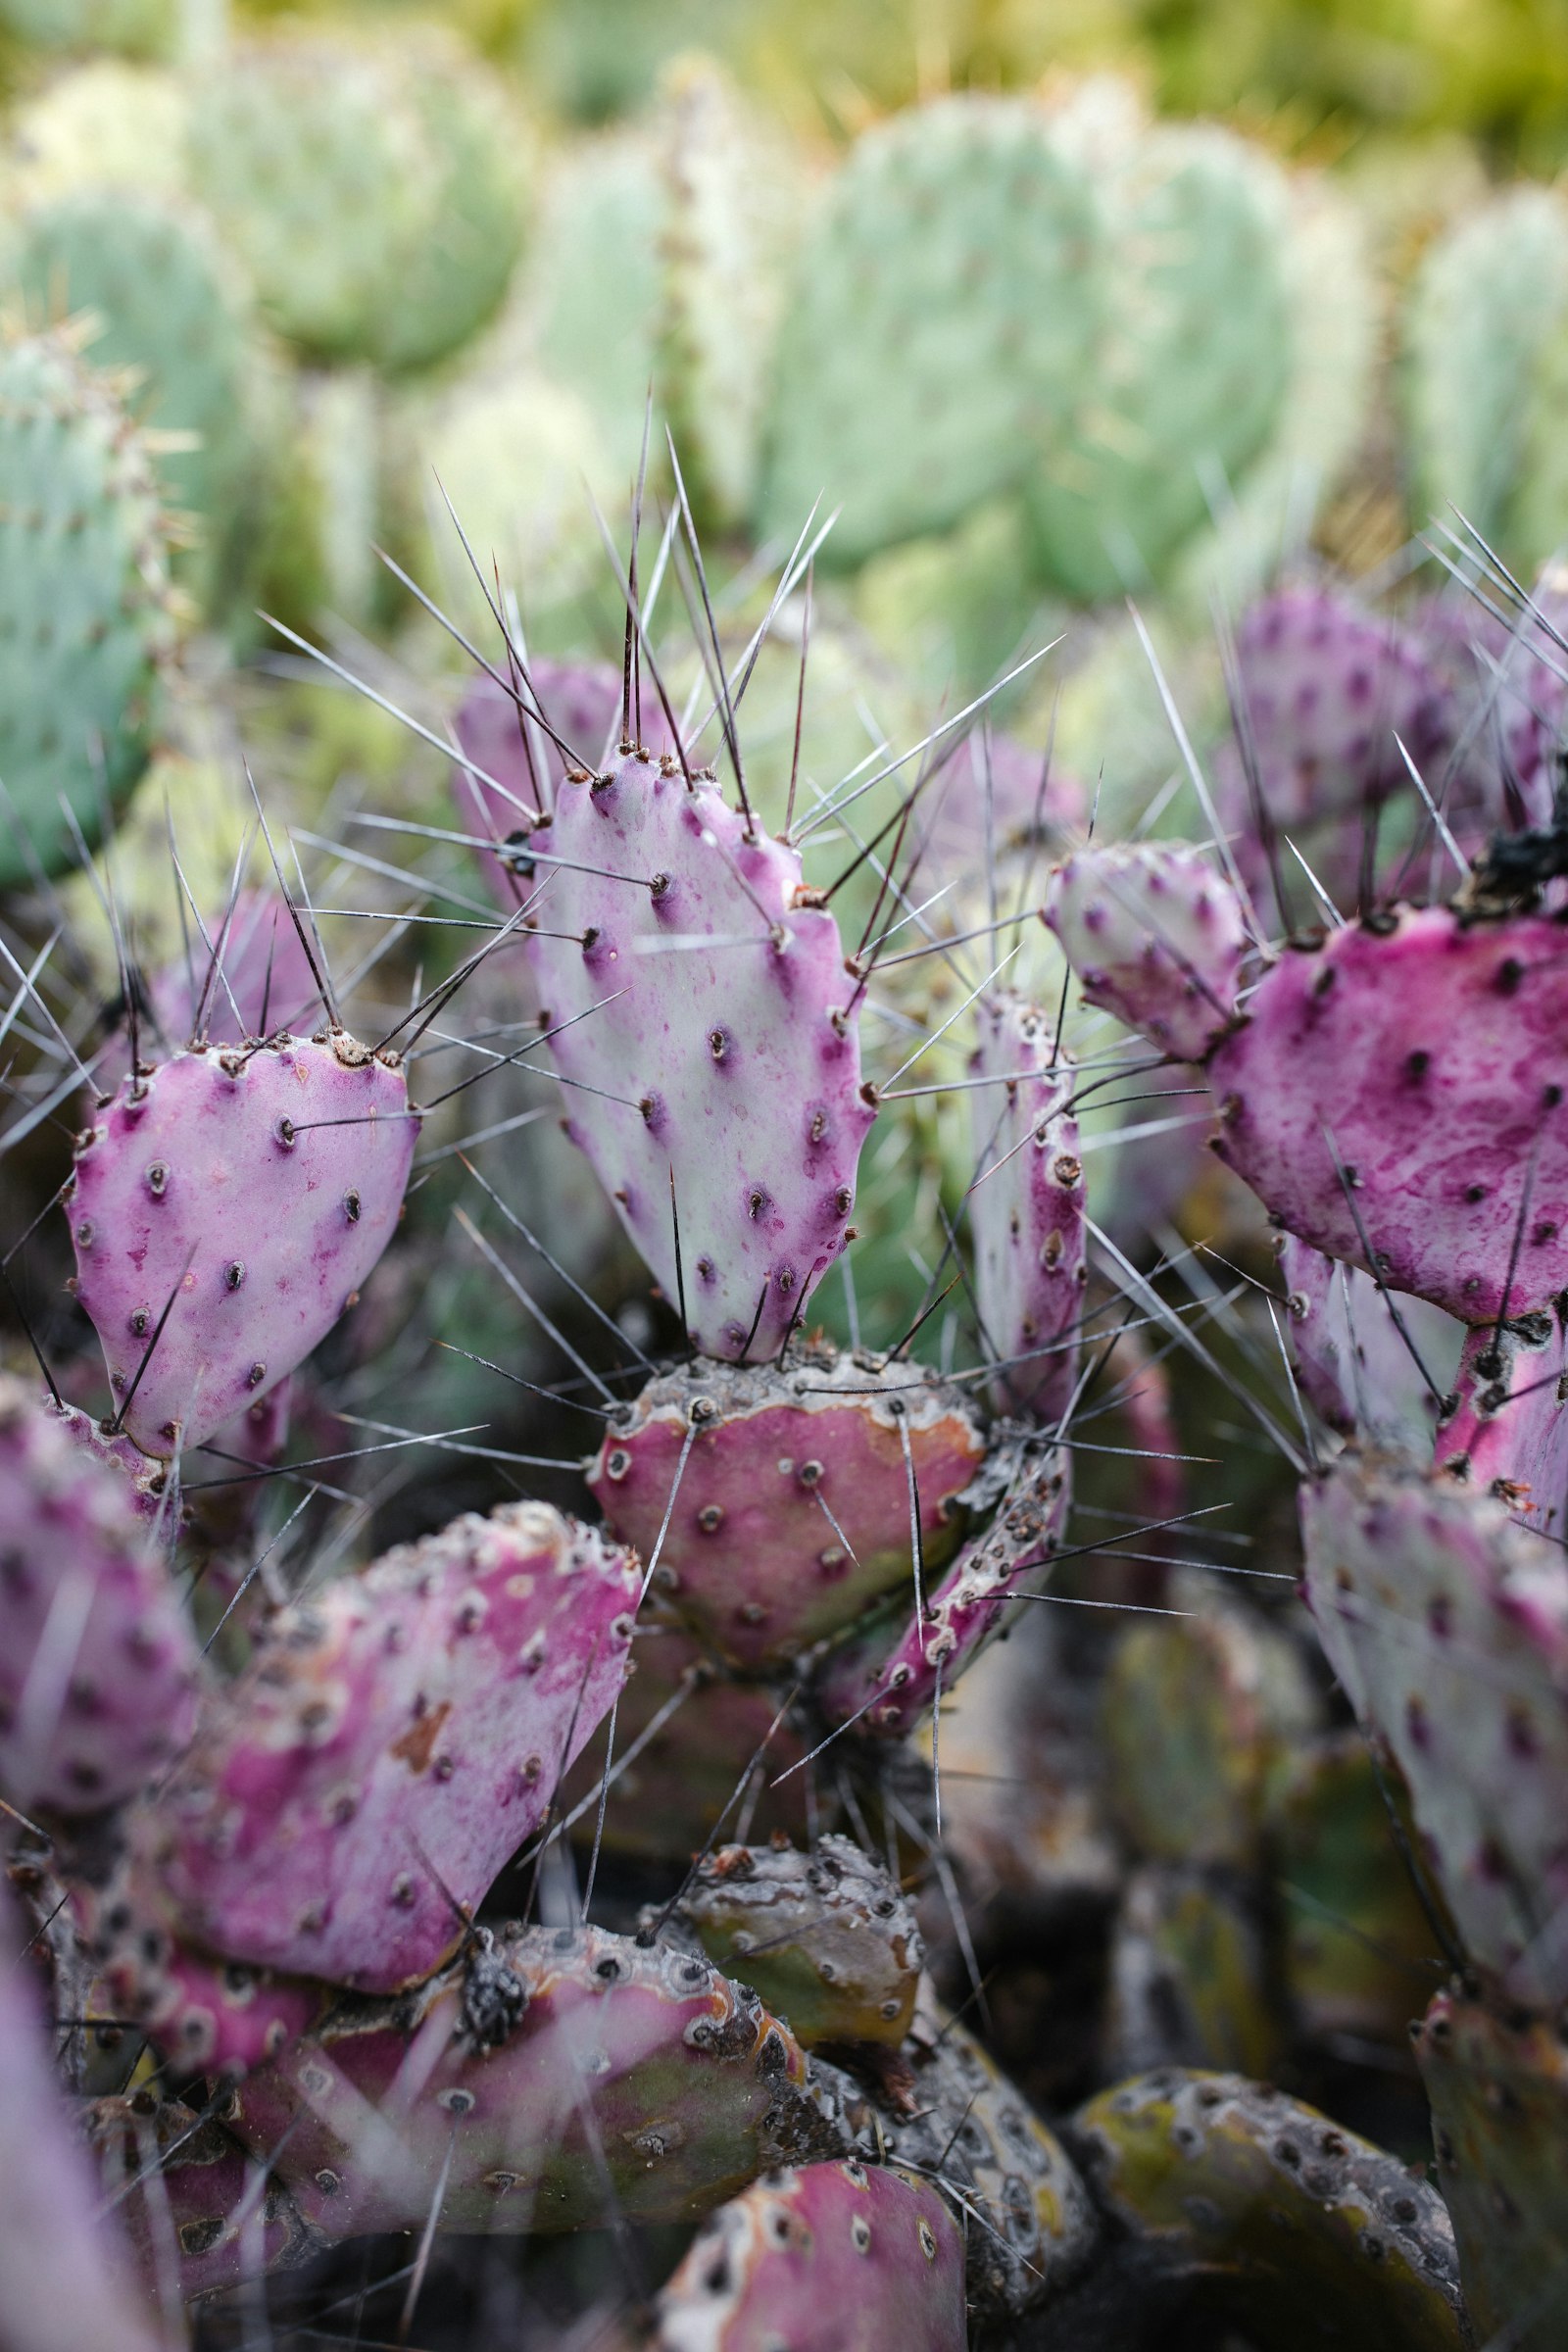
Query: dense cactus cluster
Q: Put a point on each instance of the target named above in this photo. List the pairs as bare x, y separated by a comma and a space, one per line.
782, 1482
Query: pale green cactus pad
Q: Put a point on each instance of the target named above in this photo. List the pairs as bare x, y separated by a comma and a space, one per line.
83, 602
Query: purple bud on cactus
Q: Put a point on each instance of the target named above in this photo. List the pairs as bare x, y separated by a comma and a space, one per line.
97, 1660
840, 2257
1396, 1098
787, 1494
1323, 688
1156, 936
1506, 1427
827, 1939
67, 2274
393, 1741
552, 2078
701, 1008
582, 702
1447, 1623
1353, 1366
201, 2213
1026, 1209
1498, 2087
225, 1210
889, 1685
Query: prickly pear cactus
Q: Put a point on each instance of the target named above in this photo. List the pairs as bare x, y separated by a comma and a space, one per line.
1499, 2124
371, 192
104, 124
84, 612
761, 1571
166, 305
193, 1271
944, 305
825, 1939
1156, 936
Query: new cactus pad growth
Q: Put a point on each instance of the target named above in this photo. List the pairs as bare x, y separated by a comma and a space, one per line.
1156, 936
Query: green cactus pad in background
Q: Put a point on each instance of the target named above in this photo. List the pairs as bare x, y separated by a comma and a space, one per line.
1486, 304
135, 28
83, 601
1195, 1713
943, 310
1500, 2110
1189, 356
372, 193
732, 206
163, 299
1189, 1985
1287, 2222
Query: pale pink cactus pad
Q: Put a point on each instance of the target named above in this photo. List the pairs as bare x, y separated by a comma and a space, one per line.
250, 1192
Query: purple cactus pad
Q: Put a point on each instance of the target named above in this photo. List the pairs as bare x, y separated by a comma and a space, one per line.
1026, 1209
793, 1508
1155, 936
248, 1190
1396, 1098
97, 1659
351, 1797
704, 1038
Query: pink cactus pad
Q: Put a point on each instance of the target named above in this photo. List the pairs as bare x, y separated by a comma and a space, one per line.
1026, 1209
1324, 687
200, 2212
1431, 1054
792, 1509
1510, 697
1351, 1362
69, 2278
97, 1659
552, 2072
891, 1685
839, 2257
210, 2017
1446, 1622
1506, 1425
391, 1744
1155, 935
582, 701
255, 1187
714, 1042
264, 983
